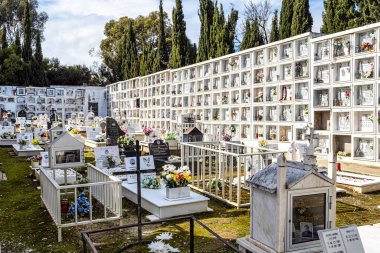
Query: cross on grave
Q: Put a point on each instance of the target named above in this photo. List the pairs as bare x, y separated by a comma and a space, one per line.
309, 158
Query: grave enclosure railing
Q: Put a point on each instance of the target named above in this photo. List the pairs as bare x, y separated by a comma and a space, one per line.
101, 187
220, 169
90, 246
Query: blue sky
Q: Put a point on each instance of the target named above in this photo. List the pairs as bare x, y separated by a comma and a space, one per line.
76, 26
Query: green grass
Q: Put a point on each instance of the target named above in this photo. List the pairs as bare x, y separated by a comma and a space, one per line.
26, 225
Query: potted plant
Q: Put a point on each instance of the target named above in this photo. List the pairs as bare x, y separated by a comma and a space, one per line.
35, 161
7, 135
147, 132
22, 143
151, 183
36, 143
44, 136
176, 181
171, 140
28, 127
263, 143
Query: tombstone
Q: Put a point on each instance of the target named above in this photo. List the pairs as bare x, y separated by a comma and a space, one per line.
113, 131
192, 135
101, 154
80, 119
291, 202
66, 152
21, 114
90, 119
160, 152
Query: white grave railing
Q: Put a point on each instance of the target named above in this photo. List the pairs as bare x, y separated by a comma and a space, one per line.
220, 169
102, 187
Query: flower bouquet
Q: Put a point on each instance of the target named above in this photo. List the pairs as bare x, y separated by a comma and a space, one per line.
35, 142
44, 136
151, 183
226, 137
22, 143
7, 135
35, 160
147, 131
176, 181
75, 132
82, 207
111, 162
263, 143
160, 246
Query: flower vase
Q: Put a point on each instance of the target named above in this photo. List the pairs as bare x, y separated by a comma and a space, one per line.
35, 164
178, 193
146, 138
44, 139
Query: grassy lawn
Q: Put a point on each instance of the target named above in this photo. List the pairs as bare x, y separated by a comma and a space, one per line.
25, 225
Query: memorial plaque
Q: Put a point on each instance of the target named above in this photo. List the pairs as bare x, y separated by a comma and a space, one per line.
341, 240
113, 131
92, 132
146, 163
101, 154
159, 149
21, 114
45, 159
28, 137
4, 129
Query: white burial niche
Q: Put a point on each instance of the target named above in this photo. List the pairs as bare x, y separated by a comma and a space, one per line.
291, 202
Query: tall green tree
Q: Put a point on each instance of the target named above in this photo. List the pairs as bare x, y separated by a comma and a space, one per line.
220, 38
179, 38
345, 15
27, 45
215, 30
246, 42
286, 17
191, 53
230, 31
38, 70
4, 41
162, 55
328, 16
18, 48
205, 13
130, 60
146, 65
257, 39
274, 33
302, 20
369, 12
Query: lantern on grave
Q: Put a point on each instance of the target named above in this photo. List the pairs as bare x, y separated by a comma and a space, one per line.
192, 135
291, 202
90, 119
80, 119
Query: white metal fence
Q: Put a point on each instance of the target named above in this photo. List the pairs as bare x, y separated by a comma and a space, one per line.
220, 169
101, 187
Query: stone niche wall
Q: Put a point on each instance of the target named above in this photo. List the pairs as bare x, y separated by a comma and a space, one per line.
322, 120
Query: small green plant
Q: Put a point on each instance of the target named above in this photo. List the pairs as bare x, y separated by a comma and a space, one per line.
22, 142
170, 137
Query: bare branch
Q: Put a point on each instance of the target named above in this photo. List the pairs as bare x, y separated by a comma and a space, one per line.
262, 11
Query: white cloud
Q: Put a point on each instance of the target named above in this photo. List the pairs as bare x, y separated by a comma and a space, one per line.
76, 26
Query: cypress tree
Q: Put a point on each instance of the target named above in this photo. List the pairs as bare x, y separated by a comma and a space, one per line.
274, 33
151, 55
18, 49
220, 38
179, 38
286, 17
371, 12
230, 30
39, 75
191, 53
130, 62
246, 42
144, 60
345, 15
216, 28
257, 39
328, 16
162, 52
205, 13
27, 46
4, 42
302, 20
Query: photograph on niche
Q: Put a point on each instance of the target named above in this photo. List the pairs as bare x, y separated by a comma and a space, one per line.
67, 156
50, 92
306, 230
20, 92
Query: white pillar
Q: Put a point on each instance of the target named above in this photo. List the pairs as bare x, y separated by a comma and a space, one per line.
332, 158
281, 203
